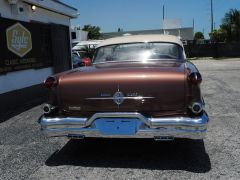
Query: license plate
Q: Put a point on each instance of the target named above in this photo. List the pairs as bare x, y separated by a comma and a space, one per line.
117, 126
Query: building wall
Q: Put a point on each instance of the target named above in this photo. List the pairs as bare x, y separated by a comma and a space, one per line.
79, 34
185, 33
21, 79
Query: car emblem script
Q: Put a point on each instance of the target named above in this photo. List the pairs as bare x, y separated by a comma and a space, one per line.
118, 97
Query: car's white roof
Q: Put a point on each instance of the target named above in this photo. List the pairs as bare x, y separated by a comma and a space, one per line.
82, 43
141, 38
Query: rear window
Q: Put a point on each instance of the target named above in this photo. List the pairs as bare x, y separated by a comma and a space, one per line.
139, 52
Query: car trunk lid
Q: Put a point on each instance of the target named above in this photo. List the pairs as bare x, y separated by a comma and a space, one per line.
129, 87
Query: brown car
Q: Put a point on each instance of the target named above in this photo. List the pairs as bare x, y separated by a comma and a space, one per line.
137, 87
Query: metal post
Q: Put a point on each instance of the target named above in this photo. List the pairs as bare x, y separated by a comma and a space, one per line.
163, 12
212, 16
193, 24
163, 19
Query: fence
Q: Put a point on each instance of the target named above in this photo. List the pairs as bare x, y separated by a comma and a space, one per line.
213, 50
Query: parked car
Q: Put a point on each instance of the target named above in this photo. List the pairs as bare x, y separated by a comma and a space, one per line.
138, 87
86, 44
87, 61
84, 61
77, 61
76, 53
86, 49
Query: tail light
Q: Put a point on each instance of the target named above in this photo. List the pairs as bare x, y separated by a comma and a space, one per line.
50, 82
87, 61
195, 78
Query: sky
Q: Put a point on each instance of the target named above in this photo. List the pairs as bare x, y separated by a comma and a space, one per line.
147, 14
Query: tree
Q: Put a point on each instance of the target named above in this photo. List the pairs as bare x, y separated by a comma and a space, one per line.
88, 52
198, 36
93, 31
219, 35
231, 25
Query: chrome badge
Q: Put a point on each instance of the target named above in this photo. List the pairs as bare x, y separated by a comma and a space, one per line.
118, 97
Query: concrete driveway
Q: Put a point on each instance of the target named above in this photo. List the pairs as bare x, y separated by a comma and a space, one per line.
25, 154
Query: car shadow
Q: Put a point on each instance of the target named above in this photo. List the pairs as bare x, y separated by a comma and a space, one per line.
180, 154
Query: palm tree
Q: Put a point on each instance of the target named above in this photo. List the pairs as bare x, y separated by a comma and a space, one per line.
93, 31
231, 24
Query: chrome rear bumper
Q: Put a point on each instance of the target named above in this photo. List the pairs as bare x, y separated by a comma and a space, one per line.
107, 125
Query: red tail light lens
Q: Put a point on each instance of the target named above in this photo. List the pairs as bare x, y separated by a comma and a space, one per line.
50, 82
87, 61
195, 78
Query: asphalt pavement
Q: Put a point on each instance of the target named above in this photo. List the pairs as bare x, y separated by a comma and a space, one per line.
26, 154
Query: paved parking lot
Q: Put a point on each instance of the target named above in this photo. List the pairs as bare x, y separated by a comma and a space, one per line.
25, 154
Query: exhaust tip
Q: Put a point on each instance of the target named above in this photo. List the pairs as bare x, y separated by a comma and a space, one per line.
197, 108
47, 108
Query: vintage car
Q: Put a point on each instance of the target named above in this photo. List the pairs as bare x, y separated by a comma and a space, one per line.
137, 87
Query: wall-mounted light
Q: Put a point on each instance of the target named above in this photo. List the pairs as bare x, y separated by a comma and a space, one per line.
33, 7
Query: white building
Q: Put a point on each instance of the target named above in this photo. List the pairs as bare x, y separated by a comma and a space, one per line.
35, 42
78, 35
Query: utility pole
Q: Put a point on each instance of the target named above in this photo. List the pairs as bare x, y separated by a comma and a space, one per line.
212, 16
163, 12
163, 19
193, 24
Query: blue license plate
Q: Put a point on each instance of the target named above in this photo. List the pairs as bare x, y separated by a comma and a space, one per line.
109, 126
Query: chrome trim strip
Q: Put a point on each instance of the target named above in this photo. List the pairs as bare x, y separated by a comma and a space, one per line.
142, 133
112, 98
118, 115
141, 61
203, 120
62, 121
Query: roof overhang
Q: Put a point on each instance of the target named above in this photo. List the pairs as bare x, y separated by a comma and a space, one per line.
55, 6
